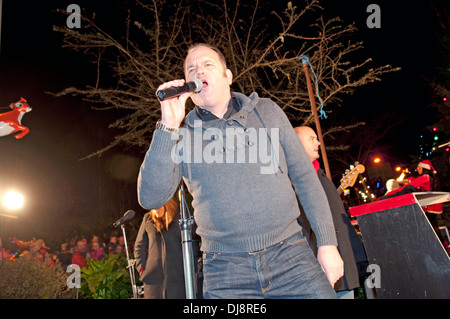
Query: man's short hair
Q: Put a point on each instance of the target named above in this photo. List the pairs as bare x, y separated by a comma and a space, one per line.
219, 53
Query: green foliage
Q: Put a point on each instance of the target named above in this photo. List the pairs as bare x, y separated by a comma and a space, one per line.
106, 279
30, 278
359, 293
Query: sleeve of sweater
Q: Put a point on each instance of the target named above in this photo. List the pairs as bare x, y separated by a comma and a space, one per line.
160, 174
307, 185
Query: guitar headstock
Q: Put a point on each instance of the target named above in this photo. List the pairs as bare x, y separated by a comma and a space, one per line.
352, 175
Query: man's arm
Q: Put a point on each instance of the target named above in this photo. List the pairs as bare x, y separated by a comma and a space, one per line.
314, 201
159, 175
307, 185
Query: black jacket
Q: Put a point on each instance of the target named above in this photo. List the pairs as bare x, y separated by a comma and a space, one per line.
159, 257
349, 244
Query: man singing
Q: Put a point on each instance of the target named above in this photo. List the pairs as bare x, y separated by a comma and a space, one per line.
244, 205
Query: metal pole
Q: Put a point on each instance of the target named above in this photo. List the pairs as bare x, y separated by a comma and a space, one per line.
186, 223
130, 265
316, 119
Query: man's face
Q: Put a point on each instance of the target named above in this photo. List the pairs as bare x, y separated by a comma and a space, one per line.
82, 247
310, 142
205, 64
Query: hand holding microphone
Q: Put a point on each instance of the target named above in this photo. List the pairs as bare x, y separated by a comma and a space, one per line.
173, 109
194, 86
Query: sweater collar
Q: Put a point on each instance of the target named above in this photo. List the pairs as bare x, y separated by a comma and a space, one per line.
247, 104
233, 106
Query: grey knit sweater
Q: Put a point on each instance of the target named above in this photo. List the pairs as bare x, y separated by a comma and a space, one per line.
240, 172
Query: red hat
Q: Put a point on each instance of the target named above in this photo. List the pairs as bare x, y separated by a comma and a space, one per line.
427, 165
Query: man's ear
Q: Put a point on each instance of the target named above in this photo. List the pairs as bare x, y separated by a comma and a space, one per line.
229, 76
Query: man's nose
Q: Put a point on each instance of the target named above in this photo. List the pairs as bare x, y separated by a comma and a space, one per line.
200, 70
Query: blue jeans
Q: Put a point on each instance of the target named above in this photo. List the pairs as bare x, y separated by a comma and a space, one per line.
285, 270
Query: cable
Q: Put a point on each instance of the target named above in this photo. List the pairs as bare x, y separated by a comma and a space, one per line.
305, 60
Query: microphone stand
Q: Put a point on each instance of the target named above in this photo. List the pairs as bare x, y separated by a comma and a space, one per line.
186, 223
130, 265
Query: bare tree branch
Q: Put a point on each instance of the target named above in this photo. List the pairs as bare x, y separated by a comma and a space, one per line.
262, 59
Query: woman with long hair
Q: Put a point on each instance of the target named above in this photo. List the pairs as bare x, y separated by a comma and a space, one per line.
158, 253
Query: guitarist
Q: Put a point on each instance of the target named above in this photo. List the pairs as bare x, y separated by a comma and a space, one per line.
349, 244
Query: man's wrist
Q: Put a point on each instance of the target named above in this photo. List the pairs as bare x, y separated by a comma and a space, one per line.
163, 127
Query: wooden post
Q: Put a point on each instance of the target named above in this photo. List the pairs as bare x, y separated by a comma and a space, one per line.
316, 119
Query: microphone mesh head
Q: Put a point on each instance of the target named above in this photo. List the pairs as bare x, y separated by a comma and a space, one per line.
129, 214
198, 85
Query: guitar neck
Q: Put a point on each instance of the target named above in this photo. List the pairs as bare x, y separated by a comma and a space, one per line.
350, 178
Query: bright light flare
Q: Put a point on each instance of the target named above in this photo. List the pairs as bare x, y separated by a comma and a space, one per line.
13, 200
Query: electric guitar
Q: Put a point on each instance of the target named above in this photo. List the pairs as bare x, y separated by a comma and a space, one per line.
350, 178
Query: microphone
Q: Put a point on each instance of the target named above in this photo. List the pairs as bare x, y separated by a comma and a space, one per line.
195, 86
126, 217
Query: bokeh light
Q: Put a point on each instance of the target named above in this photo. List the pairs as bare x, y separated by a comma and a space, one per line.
13, 200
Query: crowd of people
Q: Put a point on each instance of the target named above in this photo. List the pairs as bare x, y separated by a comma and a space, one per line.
73, 251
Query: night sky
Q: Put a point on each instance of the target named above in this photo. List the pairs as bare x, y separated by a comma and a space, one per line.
63, 193
408, 38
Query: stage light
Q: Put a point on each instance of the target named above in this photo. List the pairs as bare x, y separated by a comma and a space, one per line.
377, 160
13, 200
